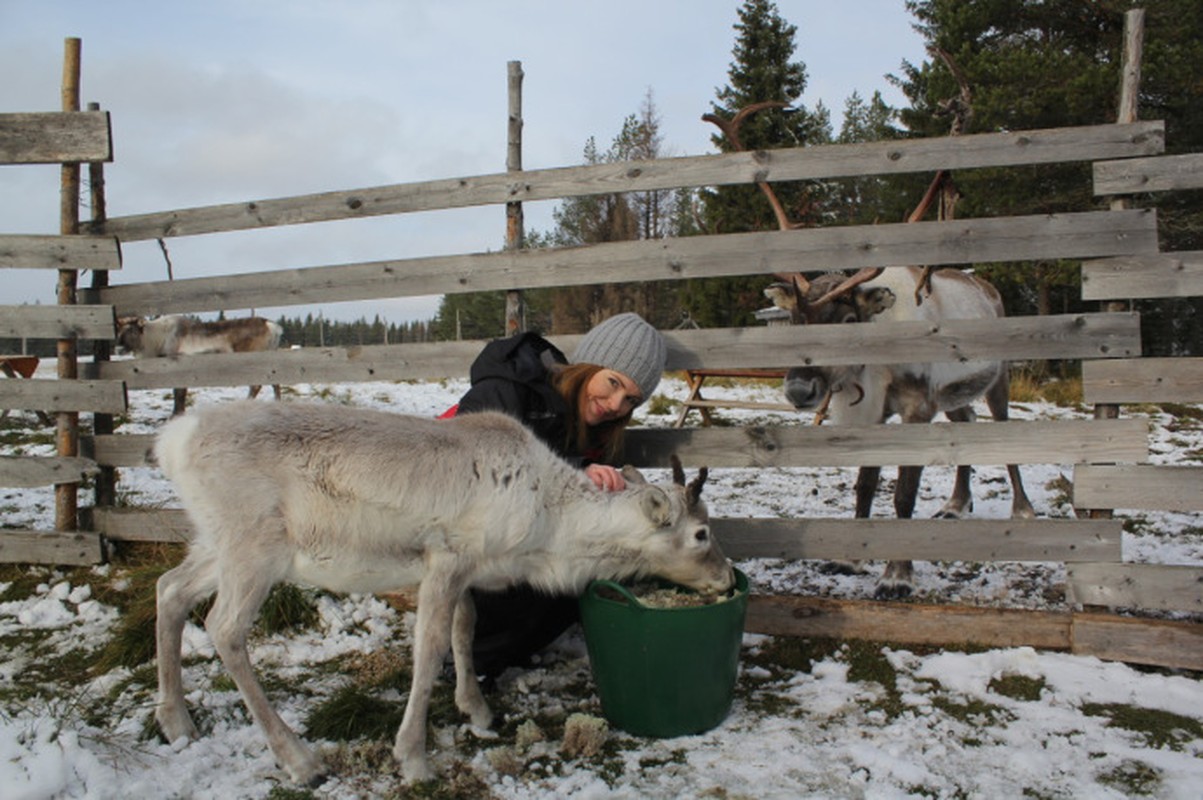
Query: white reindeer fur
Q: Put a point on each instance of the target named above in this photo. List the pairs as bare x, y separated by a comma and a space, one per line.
873, 393
366, 501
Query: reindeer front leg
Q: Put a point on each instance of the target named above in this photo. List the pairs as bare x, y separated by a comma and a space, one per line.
866, 487
438, 596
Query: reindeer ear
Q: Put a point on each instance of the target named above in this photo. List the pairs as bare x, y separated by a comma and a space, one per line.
872, 302
656, 506
632, 475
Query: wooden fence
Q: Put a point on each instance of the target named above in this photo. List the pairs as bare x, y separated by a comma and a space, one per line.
1122, 261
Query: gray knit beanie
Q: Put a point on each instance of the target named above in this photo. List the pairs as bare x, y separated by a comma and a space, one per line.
627, 344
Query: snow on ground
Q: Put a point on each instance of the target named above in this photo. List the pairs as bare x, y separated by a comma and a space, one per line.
999, 723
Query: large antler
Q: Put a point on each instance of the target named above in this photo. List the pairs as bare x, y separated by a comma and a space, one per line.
730, 129
961, 110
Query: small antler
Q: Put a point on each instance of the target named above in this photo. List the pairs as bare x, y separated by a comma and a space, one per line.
694, 490
678, 470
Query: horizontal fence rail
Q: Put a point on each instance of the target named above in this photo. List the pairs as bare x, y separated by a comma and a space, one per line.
1177, 274
1062, 336
1077, 235
60, 252
1139, 175
26, 472
980, 443
925, 540
1138, 486
1163, 587
45, 394
55, 137
58, 322
879, 539
803, 163
1144, 380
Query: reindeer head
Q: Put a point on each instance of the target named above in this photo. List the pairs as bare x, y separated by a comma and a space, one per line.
683, 550
129, 333
833, 297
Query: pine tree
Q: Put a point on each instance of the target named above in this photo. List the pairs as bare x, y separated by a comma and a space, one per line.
624, 216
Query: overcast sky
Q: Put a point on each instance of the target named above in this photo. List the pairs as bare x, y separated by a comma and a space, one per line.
236, 100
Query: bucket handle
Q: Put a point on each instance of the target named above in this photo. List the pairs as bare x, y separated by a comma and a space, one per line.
631, 599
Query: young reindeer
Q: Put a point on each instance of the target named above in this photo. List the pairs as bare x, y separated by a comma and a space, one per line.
355, 500
870, 394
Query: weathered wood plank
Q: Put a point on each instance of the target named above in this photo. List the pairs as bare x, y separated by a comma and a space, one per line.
24, 472
1177, 274
50, 547
1156, 174
824, 161
44, 394
118, 449
55, 137
1161, 643
1145, 487
1013, 338
921, 539
1143, 380
928, 540
1067, 441
1079, 235
907, 623
143, 525
60, 252
58, 322
1149, 586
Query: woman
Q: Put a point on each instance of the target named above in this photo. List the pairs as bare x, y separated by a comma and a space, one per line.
580, 409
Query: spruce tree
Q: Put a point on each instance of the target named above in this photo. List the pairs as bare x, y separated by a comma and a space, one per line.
762, 71
1057, 63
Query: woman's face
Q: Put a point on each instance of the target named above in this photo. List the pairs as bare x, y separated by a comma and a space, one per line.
609, 394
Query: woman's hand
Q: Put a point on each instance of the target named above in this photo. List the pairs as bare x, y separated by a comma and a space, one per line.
605, 477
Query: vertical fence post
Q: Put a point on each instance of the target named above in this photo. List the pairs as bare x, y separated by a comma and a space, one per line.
1129, 94
66, 509
102, 424
515, 311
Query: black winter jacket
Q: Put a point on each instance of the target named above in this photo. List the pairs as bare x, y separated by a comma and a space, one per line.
511, 375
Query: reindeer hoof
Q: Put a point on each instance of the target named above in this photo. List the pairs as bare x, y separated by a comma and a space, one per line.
893, 591
842, 568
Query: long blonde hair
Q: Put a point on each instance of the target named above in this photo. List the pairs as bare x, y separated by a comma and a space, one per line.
570, 381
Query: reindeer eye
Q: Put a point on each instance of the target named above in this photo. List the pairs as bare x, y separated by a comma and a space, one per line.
701, 535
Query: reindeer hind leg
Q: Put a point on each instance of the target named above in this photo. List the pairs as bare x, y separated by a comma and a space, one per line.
468, 696
176, 594
243, 586
998, 401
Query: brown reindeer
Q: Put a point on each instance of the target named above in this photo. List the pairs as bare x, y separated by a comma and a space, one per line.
176, 335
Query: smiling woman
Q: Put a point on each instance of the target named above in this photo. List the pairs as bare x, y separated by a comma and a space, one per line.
580, 409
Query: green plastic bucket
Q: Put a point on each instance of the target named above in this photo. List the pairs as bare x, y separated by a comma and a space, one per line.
663, 672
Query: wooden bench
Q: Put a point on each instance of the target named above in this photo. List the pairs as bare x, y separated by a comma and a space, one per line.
697, 377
